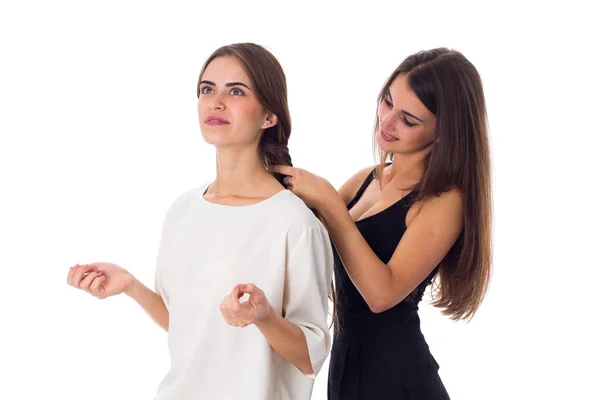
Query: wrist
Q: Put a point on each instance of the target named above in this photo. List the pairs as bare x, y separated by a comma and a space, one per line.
131, 287
331, 205
329, 198
268, 318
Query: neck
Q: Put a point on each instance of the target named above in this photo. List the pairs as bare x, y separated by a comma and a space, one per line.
407, 169
240, 171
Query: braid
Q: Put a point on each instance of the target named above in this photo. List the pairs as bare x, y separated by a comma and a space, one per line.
274, 152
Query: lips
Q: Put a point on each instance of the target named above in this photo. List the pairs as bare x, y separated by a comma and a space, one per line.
387, 137
212, 120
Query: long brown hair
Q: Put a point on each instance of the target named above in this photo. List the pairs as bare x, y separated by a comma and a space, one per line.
451, 88
269, 83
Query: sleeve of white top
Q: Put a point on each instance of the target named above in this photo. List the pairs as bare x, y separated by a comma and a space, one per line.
305, 301
169, 220
159, 268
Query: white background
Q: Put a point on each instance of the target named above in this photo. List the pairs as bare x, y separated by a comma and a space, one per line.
99, 134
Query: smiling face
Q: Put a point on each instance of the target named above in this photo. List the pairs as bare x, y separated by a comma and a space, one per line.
405, 125
228, 109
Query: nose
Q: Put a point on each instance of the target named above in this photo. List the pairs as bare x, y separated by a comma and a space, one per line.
216, 103
386, 122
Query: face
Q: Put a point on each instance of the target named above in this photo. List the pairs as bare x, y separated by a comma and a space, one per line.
406, 126
228, 110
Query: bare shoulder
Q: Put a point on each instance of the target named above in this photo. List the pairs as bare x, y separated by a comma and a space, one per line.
448, 206
349, 189
452, 198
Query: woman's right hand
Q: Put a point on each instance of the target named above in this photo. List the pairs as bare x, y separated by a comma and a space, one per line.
99, 279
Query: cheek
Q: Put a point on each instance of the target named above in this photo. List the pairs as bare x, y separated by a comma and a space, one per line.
381, 112
202, 104
250, 110
412, 135
247, 114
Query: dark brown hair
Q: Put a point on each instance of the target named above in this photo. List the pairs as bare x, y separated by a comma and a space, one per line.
451, 88
269, 84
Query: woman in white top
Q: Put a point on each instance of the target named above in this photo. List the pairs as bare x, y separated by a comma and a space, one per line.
244, 267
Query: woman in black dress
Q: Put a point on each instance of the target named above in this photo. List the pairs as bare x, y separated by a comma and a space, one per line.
423, 213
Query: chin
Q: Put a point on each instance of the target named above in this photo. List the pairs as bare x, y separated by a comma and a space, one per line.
386, 146
224, 141
215, 141
216, 138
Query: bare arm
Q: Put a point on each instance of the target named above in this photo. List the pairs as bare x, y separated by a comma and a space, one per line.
287, 339
103, 280
298, 332
151, 302
427, 240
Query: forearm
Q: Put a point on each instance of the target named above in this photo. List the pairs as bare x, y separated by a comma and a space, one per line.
287, 339
151, 302
370, 275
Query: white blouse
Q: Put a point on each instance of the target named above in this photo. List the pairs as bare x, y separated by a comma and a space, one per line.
205, 250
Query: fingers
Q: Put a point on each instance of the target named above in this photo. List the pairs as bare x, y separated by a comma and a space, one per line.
236, 313
79, 273
225, 311
245, 315
247, 288
71, 274
288, 181
292, 174
96, 288
254, 291
251, 289
88, 279
283, 169
234, 299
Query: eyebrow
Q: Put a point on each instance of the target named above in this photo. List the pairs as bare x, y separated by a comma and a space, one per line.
387, 94
230, 84
410, 115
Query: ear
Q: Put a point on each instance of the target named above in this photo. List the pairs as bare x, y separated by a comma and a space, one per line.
270, 120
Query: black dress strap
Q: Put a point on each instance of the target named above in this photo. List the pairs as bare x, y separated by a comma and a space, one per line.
362, 188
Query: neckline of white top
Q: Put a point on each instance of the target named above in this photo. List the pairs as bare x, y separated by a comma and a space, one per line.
261, 203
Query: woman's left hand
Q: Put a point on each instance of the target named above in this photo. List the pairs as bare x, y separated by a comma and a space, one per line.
242, 314
316, 192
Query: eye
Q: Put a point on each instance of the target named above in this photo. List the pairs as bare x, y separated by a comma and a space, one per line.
206, 90
387, 100
237, 92
409, 124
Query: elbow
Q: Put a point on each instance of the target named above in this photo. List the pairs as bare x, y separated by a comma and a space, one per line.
384, 299
163, 322
383, 303
377, 308
306, 368
379, 305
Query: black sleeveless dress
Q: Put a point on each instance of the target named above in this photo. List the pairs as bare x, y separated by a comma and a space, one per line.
381, 356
